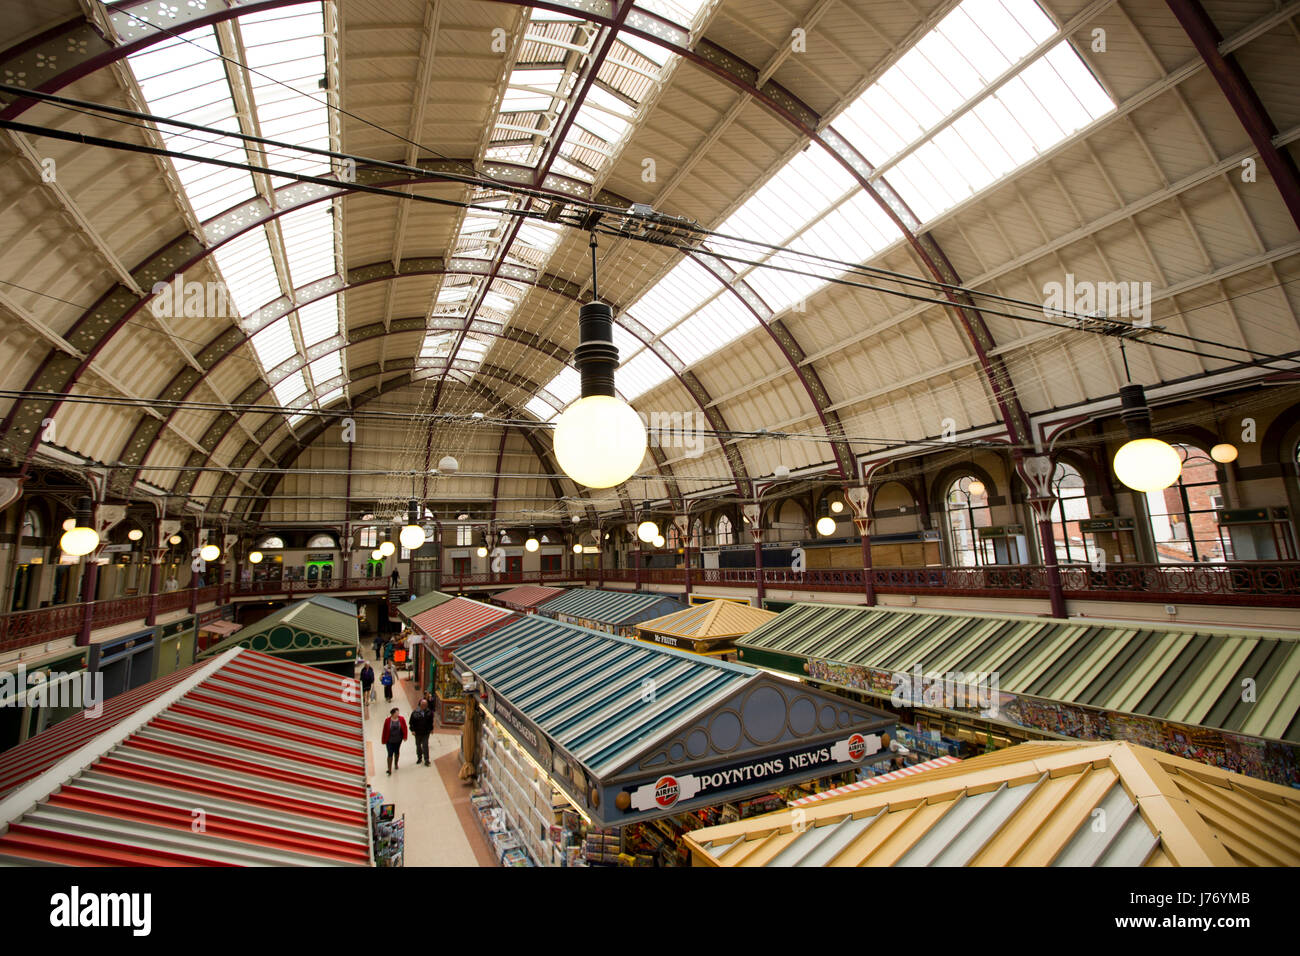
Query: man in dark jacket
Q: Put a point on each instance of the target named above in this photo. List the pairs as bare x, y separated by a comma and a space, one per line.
367, 681
421, 724
393, 736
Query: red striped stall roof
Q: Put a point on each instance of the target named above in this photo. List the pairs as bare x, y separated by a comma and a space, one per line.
458, 620
243, 760
527, 596
872, 781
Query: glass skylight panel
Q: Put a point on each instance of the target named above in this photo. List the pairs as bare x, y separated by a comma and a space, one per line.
540, 235
1050, 99
274, 344
961, 56
473, 349
680, 12
319, 320
627, 343
800, 190
186, 79
246, 265
605, 114
326, 368
541, 408
285, 53
292, 388
437, 344
309, 243
565, 387
721, 321
780, 290
531, 91
332, 396
642, 373
676, 294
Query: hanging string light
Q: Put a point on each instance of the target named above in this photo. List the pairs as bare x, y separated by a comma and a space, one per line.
600, 440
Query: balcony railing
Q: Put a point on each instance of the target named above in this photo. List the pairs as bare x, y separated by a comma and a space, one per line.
1261, 584
27, 628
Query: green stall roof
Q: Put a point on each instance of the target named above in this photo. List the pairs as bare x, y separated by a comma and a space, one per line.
318, 630
611, 607
1181, 674
419, 605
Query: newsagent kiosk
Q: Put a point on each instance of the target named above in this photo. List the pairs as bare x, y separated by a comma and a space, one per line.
627, 733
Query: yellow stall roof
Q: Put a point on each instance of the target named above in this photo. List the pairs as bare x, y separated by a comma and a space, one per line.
1032, 805
716, 619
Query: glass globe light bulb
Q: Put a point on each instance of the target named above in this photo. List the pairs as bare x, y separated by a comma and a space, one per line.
531, 545
387, 548
79, 541
1148, 464
209, 552
837, 506
377, 555
481, 552
174, 539
411, 536
659, 541
1224, 453
577, 549
135, 534
647, 531
825, 526
599, 441
976, 488
255, 557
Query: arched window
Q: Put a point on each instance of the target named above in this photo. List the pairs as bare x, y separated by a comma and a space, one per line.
726, 534
697, 534
1071, 507
1184, 519
369, 537
272, 542
32, 527
966, 512
321, 541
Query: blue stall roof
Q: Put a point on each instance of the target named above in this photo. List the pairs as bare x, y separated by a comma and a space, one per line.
612, 607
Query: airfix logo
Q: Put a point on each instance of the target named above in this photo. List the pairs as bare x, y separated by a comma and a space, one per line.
857, 747
666, 791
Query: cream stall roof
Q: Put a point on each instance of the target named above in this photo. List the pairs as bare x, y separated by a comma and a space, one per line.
1030, 805
1028, 156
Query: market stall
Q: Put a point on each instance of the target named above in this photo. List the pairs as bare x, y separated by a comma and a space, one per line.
602, 749
614, 612
320, 631
526, 598
439, 631
212, 632
268, 750
1225, 697
1065, 803
710, 629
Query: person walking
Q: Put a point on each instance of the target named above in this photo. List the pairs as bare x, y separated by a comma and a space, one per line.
389, 647
387, 680
393, 736
421, 724
393, 578
379, 646
367, 680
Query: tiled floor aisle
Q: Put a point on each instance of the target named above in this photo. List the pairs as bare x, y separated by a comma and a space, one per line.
436, 829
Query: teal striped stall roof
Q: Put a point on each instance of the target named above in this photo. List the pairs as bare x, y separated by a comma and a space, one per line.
586, 689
